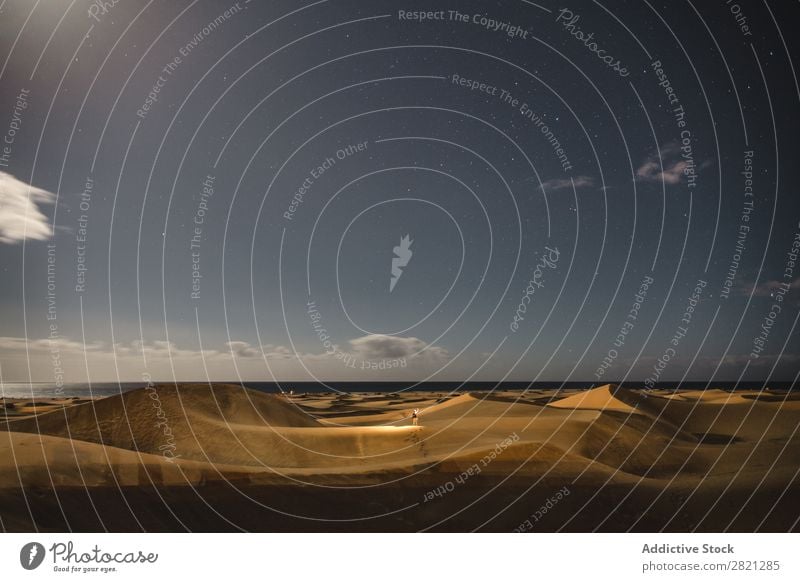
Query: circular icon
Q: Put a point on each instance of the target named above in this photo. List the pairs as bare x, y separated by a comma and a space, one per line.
31, 555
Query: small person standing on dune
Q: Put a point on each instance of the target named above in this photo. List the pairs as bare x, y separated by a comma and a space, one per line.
415, 417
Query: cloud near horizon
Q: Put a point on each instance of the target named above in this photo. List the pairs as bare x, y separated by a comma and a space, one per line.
388, 347
20, 217
37, 357
153, 349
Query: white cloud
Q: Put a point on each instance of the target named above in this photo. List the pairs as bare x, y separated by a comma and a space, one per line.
562, 183
370, 347
22, 358
20, 217
151, 350
240, 349
384, 347
663, 166
44, 345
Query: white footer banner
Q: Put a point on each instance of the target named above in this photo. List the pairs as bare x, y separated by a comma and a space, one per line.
390, 557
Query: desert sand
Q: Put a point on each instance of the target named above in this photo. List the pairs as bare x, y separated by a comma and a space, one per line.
195, 457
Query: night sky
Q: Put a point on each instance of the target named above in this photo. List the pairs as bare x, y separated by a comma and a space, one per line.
376, 190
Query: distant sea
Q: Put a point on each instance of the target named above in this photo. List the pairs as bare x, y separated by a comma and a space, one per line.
101, 389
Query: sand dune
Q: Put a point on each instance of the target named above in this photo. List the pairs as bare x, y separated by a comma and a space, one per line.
39, 460
602, 398
605, 440
191, 418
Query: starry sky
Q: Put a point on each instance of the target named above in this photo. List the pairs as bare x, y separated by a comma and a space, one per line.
353, 190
